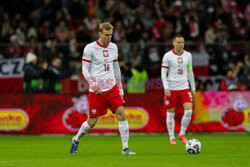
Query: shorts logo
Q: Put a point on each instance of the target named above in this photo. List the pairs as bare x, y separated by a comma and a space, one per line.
179, 60
94, 111
190, 95
105, 53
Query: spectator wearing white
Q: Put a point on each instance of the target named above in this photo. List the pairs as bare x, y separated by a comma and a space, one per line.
33, 75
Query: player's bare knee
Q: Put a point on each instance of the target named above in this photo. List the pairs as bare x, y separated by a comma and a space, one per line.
171, 110
92, 122
120, 114
188, 106
92, 125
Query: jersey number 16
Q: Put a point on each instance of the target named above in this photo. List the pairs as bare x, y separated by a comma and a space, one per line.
106, 67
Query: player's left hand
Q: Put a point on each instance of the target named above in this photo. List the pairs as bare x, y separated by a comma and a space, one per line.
193, 93
97, 90
167, 92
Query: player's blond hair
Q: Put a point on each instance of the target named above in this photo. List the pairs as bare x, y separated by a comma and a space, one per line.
104, 26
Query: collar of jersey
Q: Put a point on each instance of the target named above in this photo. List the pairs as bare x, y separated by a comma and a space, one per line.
177, 53
101, 45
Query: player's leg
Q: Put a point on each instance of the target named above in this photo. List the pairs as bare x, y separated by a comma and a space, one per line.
94, 111
171, 124
187, 101
86, 126
170, 103
123, 129
185, 121
116, 105
186, 117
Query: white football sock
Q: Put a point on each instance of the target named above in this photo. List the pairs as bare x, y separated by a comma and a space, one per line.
82, 131
124, 132
185, 121
170, 124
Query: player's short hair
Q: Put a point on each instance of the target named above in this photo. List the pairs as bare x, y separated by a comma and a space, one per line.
104, 26
177, 36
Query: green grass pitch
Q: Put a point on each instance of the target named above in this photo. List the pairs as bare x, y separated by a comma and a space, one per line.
153, 150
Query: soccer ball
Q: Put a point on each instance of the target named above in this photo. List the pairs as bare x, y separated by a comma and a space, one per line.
193, 146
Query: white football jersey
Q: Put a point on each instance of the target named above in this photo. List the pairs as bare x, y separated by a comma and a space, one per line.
177, 65
101, 64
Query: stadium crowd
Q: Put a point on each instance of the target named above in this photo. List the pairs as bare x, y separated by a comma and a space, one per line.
143, 30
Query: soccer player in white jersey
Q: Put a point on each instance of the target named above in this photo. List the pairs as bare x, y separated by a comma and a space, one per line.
101, 70
176, 71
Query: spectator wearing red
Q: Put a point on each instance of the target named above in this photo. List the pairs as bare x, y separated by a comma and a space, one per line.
230, 83
14, 49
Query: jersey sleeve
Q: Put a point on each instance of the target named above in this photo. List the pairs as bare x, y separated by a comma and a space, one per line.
164, 71
165, 61
116, 51
190, 73
86, 59
87, 54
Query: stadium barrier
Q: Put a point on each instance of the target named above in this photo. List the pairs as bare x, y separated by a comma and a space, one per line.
64, 113
11, 75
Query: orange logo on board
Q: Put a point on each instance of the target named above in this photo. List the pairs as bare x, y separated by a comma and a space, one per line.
13, 119
137, 118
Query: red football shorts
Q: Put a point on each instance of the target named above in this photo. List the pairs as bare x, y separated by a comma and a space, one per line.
98, 104
178, 97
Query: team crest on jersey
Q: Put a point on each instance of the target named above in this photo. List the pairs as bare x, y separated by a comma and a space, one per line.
105, 53
179, 60
94, 111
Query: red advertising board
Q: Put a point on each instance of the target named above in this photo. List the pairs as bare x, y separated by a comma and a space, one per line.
11, 85
57, 113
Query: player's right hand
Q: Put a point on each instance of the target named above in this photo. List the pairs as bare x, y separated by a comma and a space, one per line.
97, 90
167, 92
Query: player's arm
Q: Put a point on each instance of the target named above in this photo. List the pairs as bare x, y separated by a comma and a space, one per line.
85, 72
164, 71
90, 80
190, 76
86, 60
117, 73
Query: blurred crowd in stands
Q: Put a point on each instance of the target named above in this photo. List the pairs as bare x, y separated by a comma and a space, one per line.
219, 30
